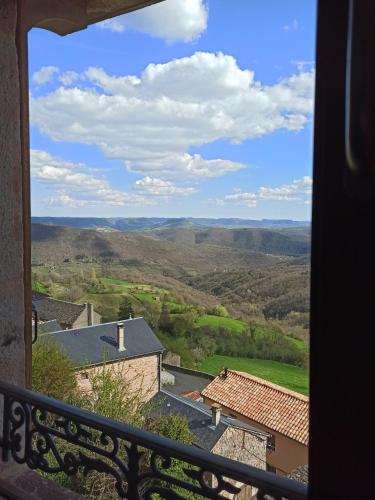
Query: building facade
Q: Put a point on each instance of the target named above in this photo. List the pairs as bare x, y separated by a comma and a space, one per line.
127, 348
268, 407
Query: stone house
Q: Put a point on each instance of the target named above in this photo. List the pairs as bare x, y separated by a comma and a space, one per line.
217, 433
282, 413
67, 314
129, 347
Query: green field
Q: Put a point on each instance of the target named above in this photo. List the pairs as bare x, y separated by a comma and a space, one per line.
126, 286
233, 325
289, 376
144, 297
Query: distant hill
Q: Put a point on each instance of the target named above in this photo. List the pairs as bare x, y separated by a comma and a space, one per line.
172, 247
291, 242
130, 224
256, 273
149, 250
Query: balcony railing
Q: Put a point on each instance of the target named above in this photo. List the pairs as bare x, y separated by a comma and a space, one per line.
54, 437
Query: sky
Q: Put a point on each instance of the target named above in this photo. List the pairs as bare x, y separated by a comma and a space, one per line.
199, 108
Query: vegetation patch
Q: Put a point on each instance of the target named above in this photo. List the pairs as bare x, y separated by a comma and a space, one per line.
291, 377
144, 297
233, 325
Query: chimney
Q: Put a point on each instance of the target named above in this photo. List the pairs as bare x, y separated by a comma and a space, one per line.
90, 314
120, 336
216, 413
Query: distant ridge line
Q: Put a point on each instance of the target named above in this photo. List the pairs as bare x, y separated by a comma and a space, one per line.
139, 224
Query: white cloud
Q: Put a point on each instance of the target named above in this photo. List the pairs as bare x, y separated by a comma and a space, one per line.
64, 200
247, 199
44, 75
302, 65
152, 122
298, 190
69, 77
74, 185
288, 192
158, 187
172, 20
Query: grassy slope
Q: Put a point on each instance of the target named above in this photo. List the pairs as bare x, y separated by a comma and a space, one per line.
233, 325
291, 377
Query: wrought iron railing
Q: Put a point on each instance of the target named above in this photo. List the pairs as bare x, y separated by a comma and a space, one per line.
54, 437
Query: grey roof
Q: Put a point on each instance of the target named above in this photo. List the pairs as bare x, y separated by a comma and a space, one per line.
98, 343
199, 418
187, 382
48, 309
39, 295
49, 327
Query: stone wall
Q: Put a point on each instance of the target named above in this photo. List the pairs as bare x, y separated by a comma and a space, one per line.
243, 447
141, 373
12, 291
171, 358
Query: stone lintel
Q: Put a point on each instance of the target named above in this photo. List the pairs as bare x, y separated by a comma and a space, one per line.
67, 16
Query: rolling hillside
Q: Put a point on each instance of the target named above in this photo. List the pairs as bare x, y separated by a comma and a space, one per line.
175, 250
127, 224
258, 274
288, 242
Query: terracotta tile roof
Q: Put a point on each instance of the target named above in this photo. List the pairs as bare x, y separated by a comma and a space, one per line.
275, 407
194, 395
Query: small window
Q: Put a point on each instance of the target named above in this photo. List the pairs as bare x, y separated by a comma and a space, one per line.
271, 443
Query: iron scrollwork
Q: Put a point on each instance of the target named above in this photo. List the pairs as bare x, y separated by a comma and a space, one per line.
54, 437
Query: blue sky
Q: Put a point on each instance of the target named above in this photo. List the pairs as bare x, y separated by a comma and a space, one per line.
186, 108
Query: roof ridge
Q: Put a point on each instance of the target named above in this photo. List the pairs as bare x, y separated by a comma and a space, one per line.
188, 402
102, 324
63, 301
267, 383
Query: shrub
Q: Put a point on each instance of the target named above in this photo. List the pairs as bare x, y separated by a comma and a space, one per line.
53, 372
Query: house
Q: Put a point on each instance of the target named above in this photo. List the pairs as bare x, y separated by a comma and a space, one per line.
269, 407
68, 314
129, 346
216, 432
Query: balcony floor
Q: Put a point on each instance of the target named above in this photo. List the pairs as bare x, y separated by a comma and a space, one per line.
17, 482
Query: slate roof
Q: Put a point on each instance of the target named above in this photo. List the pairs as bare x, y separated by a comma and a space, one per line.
49, 327
94, 344
39, 295
48, 309
199, 418
271, 405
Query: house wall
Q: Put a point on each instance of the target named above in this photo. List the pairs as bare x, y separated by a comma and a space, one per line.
141, 373
288, 453
82, 320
